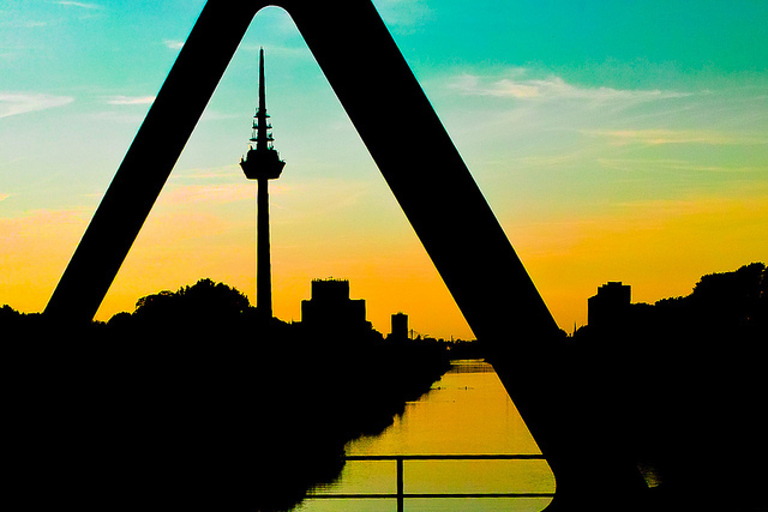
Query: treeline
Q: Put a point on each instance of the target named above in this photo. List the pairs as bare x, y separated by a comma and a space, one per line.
194, 401
685, 379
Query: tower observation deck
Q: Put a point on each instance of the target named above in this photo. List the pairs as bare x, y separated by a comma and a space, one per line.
262, 163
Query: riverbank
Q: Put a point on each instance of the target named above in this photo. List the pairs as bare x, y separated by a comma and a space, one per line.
231, 415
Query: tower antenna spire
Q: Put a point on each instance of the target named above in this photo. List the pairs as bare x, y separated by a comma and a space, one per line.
261, 126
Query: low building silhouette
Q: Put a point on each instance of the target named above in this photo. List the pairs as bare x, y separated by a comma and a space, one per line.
331, 311
611, 306
399, 330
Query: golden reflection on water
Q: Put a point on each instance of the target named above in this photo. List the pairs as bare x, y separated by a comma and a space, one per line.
467, 412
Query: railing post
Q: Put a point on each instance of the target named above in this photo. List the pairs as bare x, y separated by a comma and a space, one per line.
400, 484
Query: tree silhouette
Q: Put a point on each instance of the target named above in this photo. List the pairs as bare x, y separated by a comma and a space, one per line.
205, 301
731, 298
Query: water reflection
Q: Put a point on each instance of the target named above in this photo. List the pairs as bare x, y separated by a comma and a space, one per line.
466, 412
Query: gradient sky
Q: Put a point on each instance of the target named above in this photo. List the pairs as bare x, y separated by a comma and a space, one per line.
613, 140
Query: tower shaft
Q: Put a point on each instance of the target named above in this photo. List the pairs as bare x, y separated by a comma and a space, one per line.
263, 259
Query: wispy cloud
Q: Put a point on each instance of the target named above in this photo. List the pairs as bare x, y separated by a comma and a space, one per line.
655, 137
3, 197
38, 226
633, 164
82, 5
279, 51
517, 85
25, 24
223, 193
222, 174
405, 16
12, 104
173, 44
130, 100
213, 185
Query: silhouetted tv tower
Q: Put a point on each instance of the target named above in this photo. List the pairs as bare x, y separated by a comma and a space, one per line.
262, 164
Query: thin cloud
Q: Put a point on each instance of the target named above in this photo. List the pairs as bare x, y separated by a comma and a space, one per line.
12, 104
225, 193
204, 174
26, 24
173, 45
3, 197
405, 16
131, 100
39, 224
654, 137
82, 5
279, 51
633, 164
518, 86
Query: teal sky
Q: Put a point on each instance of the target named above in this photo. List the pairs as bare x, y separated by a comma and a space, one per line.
614, 141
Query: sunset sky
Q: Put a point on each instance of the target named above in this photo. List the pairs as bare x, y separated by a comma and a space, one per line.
621, 141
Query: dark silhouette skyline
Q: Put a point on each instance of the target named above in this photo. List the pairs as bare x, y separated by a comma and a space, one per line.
675, 376
684, 377
192, 401
730, 300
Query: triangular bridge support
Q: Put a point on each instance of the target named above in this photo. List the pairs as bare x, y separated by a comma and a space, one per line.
432, 185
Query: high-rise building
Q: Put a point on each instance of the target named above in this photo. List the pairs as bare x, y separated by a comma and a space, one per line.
610, 306
331, 310
262, 163
399, 327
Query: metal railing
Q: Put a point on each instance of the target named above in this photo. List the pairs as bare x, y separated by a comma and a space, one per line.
400, 495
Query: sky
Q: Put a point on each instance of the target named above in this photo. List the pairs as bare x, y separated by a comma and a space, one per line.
614, 141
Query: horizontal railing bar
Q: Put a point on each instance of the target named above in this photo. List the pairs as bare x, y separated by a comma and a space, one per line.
434, 495
400, 495
349, 496
519, 456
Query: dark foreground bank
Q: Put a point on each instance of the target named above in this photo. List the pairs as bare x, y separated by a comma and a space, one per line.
219, 412
684, 382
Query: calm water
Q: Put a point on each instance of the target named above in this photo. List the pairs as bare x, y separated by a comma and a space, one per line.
466, 412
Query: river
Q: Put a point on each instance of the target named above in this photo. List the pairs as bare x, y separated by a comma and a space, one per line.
467, 412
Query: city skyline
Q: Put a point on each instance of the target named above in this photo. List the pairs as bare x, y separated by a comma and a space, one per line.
632, 153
